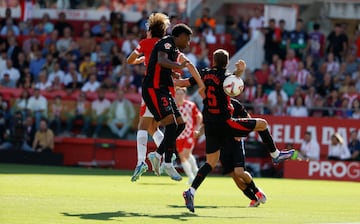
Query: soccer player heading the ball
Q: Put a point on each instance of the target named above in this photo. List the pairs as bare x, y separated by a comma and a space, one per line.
219, 124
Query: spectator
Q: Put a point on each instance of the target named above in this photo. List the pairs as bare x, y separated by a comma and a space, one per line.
209, 36
260, 101
107, 43
38, 107
354, 146
15, 137
61, 24
99, 110
310, 97
4, 109
121, 115
55, 113
298, 110
302, 74
205, 21
298, 39
355, 107
202, 54
337, 42
129, 44
37, 64
14, 74
284, 39
21, 65
326, 86
21, 104
56, 85
290, 64
81, 112
338, 150
63, 44
10, 27
27, 82
8, 15
141, 23
92, 85
13, 49
86, 43
52, 38
118, 25
101, 28
103, 68
57, 72
316, 43
73, 79
3, 59
32, 39
49, 63
48, 25
256, 22
275, 95
43, 83
44, 138
272, 40
309, 149
95, 54
85, 66
262, 75
6, 82
109, 85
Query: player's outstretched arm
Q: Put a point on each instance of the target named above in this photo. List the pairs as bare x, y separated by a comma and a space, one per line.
163, 61
194, 73
240, 68
134, 58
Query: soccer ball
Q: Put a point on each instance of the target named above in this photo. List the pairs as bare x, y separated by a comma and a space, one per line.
233, 85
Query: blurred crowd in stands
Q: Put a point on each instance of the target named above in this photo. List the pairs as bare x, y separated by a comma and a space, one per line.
45, 62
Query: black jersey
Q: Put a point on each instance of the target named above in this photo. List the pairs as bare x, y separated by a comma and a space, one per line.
157, 76
239, 109
217, 108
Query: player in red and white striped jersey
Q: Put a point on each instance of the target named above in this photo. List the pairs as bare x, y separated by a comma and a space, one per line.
185, 143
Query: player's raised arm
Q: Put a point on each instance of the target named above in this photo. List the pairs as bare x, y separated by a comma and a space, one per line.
134, 58
194, 73
240, 68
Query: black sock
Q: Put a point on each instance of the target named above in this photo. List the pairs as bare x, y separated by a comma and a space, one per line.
201, 174
167, 146
249, 193
268, 140
180, 129
252, 186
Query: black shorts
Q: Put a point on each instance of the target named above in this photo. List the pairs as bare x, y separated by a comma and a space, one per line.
160, 102
214, 143
233, 155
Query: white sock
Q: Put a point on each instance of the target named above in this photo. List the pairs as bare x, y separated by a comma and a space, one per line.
187, 169
158, 136
192, 161
192, 191
275, 154
141, 140
168, 165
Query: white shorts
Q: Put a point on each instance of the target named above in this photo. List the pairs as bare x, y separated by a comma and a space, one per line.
144, 110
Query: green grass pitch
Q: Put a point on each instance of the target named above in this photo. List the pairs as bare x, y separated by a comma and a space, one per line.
56, 195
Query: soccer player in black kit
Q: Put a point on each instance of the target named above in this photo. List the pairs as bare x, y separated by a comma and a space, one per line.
157, 91
232, 158
219, 124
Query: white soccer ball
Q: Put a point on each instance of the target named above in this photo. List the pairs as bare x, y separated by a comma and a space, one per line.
233, 85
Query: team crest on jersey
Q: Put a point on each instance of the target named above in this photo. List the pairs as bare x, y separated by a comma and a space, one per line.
167, 46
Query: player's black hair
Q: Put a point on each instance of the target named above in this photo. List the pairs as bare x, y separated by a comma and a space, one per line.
180, 29
221, 58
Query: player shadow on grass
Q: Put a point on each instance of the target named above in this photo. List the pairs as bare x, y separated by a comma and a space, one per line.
207, 206
105, 216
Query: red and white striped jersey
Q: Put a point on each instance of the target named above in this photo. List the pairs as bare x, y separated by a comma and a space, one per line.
188, 112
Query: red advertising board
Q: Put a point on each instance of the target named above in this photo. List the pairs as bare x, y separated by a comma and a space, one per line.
322, 170
291, 130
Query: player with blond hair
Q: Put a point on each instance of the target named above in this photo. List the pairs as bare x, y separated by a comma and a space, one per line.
157, 26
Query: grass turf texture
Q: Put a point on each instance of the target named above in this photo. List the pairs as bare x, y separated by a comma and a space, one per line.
44, 194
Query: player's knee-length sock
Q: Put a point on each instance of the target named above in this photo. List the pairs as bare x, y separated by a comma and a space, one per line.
268, 141
167, 146
194, 166
253, 187
249, 193
141, 141
200, 176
